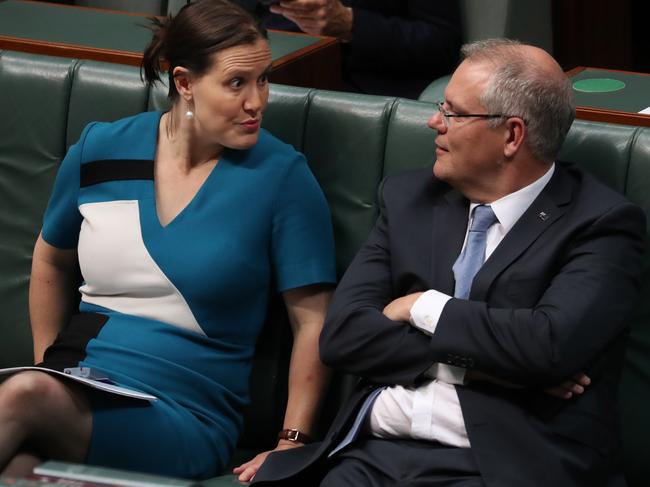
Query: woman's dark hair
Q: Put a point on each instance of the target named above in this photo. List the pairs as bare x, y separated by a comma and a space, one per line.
192, 38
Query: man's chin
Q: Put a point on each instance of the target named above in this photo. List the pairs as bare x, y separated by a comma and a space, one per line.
440, 170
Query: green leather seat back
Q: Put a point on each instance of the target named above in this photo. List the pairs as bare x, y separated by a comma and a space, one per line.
602, 149
410, 143
635, 384
103, 92
34, 95
344, 146
286, 114
619, 155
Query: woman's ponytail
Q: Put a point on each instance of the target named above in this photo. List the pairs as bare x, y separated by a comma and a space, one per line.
151, 59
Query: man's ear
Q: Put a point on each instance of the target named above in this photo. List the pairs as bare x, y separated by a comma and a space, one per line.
514, 136
183, 82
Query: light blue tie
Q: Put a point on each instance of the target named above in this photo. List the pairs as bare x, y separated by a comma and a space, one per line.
355, 429
472, 257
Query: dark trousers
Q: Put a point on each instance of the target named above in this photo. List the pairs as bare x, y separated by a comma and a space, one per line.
374, 462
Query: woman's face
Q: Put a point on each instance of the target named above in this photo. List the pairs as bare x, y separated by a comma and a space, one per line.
229, 99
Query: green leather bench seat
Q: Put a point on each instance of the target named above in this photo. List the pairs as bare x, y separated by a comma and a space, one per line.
351, 143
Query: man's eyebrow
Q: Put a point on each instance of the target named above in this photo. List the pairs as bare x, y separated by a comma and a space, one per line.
449, 102
455, 108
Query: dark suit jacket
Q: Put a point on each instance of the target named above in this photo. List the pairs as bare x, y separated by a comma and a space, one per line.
550, 301
398, 46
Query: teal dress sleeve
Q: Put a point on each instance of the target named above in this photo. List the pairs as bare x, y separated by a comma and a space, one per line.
302, 241
62, 219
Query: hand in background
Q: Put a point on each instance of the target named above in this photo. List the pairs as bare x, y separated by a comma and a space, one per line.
246, 471
318, 17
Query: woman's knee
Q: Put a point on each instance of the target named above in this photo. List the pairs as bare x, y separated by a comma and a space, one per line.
52, 416
29, 393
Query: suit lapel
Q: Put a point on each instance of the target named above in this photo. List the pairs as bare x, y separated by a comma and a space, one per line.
449, 220
548, 207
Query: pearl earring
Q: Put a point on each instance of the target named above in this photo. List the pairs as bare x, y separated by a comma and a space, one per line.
189, 114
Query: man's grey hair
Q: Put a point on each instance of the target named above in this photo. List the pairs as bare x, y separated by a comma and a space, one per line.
518, 87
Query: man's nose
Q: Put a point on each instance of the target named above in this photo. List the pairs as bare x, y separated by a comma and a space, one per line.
436, 122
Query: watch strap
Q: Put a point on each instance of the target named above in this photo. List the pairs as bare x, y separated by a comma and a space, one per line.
292, 434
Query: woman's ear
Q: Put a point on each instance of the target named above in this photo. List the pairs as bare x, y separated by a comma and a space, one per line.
183, 82
514, 136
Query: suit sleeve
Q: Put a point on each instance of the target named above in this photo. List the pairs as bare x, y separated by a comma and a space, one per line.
357, 338
583, 309
426, 39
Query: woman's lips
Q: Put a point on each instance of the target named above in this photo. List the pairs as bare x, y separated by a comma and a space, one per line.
251, 125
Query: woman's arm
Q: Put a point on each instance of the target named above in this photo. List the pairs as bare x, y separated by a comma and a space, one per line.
53, 279
308, 377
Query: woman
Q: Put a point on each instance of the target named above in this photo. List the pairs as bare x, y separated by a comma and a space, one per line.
181, 223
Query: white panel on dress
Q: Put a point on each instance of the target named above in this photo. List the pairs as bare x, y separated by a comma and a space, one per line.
118, 270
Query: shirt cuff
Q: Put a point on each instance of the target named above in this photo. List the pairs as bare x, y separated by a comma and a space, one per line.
447, 373
426, 311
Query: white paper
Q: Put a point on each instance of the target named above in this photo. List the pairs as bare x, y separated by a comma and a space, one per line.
111, 476
102, 386
646, 111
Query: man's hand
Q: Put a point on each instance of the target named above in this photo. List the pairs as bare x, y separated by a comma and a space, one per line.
246, 471
400, 308
574, 386
566, 390
318, 17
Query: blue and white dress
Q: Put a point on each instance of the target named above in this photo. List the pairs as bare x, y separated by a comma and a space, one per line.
175, 311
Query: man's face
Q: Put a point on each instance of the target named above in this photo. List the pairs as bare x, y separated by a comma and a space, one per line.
468, 152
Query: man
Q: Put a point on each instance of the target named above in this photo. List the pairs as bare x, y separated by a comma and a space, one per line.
477, 290
390, 47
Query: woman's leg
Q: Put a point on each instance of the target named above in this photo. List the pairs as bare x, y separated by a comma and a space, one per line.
50, 416
21, 464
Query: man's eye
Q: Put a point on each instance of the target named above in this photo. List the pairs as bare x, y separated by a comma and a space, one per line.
263, 79
236, 82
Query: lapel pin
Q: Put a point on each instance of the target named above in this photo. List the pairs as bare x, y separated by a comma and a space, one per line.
543, 216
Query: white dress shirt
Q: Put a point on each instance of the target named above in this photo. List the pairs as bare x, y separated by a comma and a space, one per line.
432, 411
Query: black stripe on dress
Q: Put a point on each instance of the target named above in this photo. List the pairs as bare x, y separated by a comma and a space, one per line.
69, 348
115, 170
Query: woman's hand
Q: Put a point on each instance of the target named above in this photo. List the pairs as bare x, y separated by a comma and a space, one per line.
246, 471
